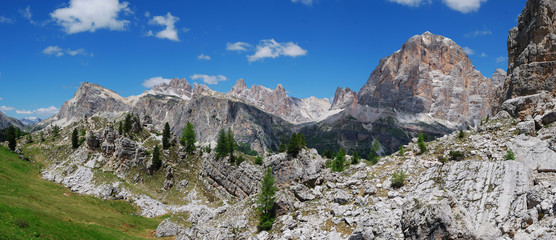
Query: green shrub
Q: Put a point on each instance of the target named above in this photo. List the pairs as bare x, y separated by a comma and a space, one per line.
456, 155
239, 160
442, 160
338, 164
510, 155
398, 179
355, 158
401, 151
259, 160
421, 144
461, 134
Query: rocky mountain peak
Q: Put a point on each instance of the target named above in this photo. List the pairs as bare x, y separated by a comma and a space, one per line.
176, 87
343, 98
240, 86
532, 51
498, 77
430, 74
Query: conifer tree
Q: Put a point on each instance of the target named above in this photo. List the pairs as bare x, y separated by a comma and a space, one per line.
29, 138
188, 138
157, 163
231, 145
355, 157
74, 139
10, 136
421, 143
127, 123
166, 136
282, 147
302, 143
338, 164
42, 136
266, 201
294, 145
221, 144
55, 132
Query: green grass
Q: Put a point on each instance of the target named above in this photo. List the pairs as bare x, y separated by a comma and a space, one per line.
32, 208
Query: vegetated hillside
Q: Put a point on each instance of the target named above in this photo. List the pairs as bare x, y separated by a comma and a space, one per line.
33, 208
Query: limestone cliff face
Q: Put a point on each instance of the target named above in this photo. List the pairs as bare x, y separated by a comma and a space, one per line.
344, 98
430, 74
90, 99
277, 102
532, 51
6, 121
176, 87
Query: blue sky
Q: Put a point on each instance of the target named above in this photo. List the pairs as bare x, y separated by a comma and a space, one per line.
47, 48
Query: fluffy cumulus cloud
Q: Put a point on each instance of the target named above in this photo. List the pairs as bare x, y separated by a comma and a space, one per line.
203, 57
411, 3
4, 108
58, 52
209, 79
238, 46
87, 15
40, 111
272, 49
464, 6
468, 50
53, 50
151, 82
169, 22
306, 2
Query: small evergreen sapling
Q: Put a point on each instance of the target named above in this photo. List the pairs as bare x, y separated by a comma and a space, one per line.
265, 201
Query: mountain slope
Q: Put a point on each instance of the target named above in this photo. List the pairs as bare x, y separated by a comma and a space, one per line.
6, 121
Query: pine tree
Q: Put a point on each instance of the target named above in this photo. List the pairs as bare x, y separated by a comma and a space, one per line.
42, 136
18, 133
55, 132
29, 138
127, 123
222, 144
421, 143
188, 138
74, 139
259, 160
166, 136
121, 128
302, 143
266, 201
231, 145
293, 146
10, 136
282, 147
157, 163
355, 158
338, 164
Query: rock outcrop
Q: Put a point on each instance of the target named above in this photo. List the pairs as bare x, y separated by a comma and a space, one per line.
277, 102
532, 51
430, 74
6, 121
343, 98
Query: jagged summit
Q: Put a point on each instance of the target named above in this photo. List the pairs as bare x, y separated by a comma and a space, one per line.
176, 87
430, 74
532, 51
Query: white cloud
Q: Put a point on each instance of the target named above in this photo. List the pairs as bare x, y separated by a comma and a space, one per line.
53, 50
478, 33
87, 15
484, 55
4, 108
464, 6
58, 52
306, 2
151, 82
40, 111
238, 46
209, 79
272, 49
170, 31
468, 50
6, 20
80, 51
411, 3
501, 59
26, 13
203, 57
